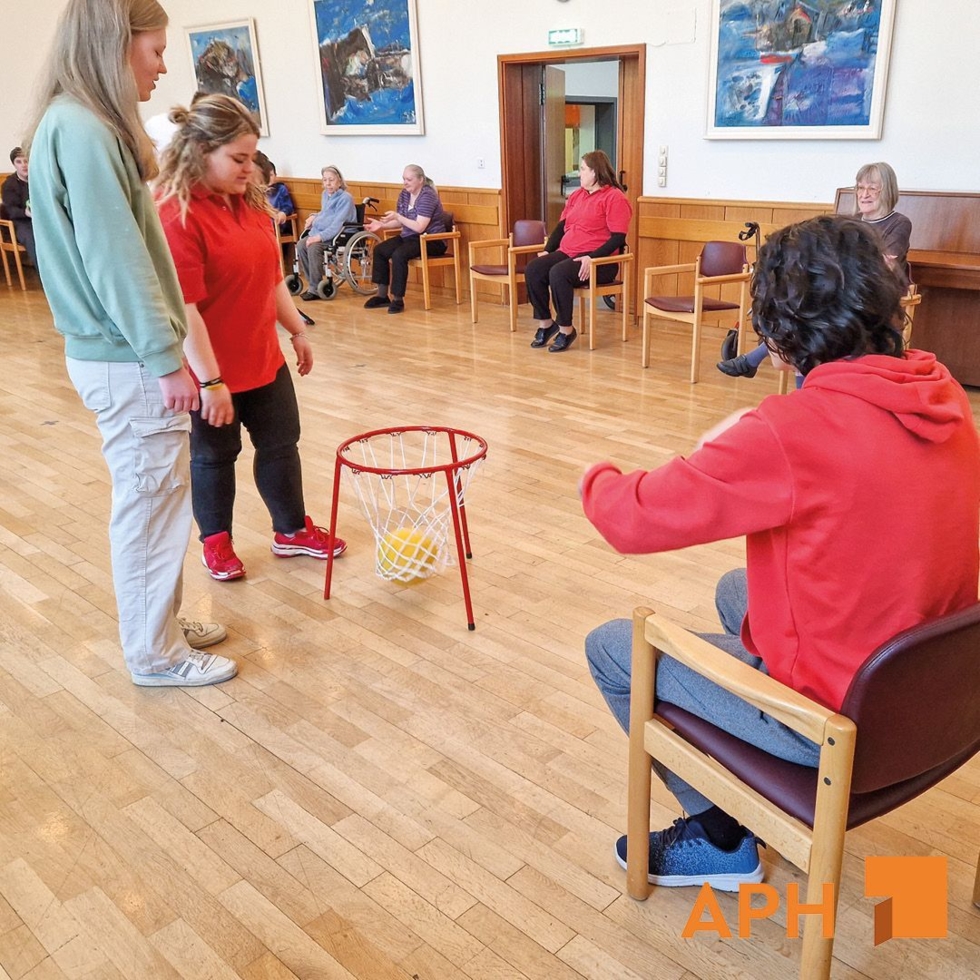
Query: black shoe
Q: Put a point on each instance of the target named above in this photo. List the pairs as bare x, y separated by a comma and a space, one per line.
308, 296
738, 367
544, 334
563, 341
396, 306
375, 301
610, 302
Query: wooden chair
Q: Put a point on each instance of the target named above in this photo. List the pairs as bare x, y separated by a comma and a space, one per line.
618, 287
9, 243
290, 237
911, 716
450, 259
909, 302
527, 239
718, 264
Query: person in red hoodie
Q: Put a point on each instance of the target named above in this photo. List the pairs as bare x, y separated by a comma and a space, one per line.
858, 496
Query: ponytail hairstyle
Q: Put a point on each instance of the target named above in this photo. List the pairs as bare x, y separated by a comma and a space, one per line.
597, 161
210, 123
89, 62
420, 173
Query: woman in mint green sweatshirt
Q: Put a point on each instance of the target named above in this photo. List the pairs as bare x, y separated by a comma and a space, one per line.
114, 295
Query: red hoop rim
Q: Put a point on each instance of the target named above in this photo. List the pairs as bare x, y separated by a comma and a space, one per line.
395, 430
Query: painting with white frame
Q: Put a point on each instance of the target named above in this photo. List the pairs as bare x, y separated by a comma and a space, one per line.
367, 64
798, 71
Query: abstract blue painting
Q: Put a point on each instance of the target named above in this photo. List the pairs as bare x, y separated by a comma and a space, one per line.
799, 69
226, 61
367, 52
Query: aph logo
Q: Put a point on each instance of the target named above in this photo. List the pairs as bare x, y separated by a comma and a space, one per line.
917, 907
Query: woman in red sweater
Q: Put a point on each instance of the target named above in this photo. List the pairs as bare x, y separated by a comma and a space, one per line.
219, 226
593, 224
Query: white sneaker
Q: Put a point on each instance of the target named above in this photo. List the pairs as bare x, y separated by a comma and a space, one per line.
200, 635
198, 670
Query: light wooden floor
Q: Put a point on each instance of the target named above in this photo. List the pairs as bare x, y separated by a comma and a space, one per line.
380, 793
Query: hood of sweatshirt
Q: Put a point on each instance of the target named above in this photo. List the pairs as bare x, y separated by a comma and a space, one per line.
918, 390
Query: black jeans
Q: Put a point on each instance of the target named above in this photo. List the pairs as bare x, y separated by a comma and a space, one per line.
391, 258
271, 415
555, 277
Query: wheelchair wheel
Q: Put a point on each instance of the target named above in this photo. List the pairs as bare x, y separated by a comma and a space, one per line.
358, 255
326, 288
294, 284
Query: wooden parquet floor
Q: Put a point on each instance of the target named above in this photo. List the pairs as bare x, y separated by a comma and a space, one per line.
380, 793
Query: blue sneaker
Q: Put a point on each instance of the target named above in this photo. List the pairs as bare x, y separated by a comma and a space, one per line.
683, 855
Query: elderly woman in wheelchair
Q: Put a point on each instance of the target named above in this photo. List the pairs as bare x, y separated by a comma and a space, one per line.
337, 209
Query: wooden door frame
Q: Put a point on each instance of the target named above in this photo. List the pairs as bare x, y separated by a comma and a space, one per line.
517, 115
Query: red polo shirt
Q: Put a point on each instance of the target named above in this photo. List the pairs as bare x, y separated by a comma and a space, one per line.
228, 264
591, 218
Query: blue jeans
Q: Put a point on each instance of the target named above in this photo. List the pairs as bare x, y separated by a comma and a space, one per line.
144, 445
609, 652
271, 416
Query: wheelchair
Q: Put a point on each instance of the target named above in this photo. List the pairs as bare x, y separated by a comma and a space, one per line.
347, 258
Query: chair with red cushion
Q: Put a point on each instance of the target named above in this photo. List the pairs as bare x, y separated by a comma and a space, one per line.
525, 241
719, 264
911, 717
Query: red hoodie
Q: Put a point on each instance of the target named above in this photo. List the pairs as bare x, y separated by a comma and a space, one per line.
858, 495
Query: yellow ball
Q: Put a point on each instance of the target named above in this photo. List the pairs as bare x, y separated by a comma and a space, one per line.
406, 554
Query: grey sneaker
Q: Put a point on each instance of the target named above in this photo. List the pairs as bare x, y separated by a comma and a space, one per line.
683, 855
200, 635
197, 670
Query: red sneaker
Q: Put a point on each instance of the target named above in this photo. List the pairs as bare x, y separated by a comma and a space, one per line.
312, 541
219, 557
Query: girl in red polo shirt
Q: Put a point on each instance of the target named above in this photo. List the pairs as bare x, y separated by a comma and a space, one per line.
593, 224
219, 227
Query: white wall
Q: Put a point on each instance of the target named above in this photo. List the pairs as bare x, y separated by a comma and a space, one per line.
930, 135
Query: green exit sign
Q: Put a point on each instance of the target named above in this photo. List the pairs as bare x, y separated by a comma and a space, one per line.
566, 36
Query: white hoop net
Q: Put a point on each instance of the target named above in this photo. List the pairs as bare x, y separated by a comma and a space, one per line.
410, 513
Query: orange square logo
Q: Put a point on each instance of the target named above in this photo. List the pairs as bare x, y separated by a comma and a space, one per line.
916, 906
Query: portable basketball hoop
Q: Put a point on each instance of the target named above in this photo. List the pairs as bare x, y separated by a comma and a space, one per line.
410, 483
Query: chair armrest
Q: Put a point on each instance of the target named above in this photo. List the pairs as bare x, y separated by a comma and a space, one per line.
487, 243
613, 259
718, 280
524, 249
491, 243
441, 236
664, 270
781, 702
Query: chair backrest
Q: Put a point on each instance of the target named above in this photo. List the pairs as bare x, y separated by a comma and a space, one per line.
916, 702
722, 258
528, 232
359, 212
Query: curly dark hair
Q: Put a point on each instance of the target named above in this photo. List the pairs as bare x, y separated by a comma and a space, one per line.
822, 291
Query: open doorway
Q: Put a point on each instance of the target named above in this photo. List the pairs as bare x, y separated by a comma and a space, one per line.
539, 93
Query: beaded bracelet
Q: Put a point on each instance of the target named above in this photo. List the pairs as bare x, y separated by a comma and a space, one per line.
299, 333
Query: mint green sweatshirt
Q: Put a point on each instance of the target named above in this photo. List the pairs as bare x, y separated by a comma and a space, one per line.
103, 258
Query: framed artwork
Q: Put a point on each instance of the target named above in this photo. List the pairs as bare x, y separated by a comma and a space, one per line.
813, 69
225, 58
367, 56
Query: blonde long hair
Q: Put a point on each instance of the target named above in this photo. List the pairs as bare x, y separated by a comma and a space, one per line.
89, 61
210, 122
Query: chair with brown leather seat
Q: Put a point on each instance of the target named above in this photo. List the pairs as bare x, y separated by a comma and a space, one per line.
590, 291
911, 716
450, 259
525, 241
719, 264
